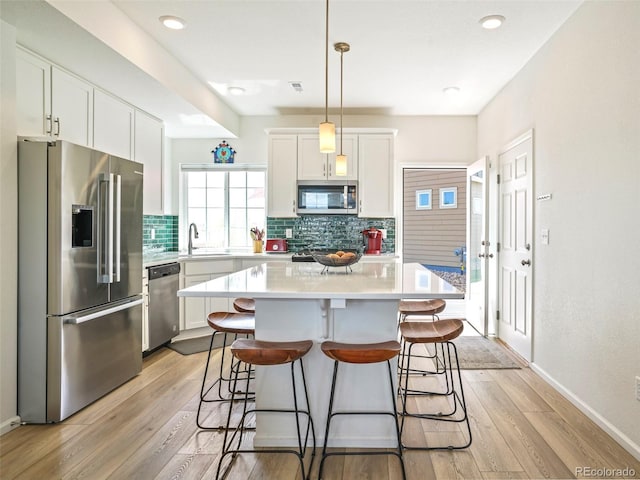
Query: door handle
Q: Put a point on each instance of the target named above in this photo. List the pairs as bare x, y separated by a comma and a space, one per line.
490, 255
481, 255
525, 262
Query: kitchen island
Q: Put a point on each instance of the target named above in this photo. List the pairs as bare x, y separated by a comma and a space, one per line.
295, 301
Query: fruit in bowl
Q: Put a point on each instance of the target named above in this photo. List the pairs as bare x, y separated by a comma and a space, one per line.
340, 258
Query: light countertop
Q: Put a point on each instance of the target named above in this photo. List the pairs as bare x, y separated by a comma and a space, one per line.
384, 279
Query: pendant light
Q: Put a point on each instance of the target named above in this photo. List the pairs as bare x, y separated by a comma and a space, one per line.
341, 160
327, 130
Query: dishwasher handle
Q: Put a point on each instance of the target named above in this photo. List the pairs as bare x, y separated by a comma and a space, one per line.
160, 271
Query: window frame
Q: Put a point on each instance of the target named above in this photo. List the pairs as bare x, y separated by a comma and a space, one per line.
184, 192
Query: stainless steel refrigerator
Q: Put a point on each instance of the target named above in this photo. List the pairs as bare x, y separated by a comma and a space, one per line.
80, 277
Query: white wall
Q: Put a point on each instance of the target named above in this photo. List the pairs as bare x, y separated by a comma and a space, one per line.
580, 95
9, 231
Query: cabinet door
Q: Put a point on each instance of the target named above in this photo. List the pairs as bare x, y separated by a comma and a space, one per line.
350, 149
72, 108
112, 125
312, 165
375, 175
196, 309
282, 174
148, 140
33, 95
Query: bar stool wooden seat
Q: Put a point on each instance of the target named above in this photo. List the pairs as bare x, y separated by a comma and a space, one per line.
263, 353
361, 354
244, 305
219, 389
428, 307
441, 332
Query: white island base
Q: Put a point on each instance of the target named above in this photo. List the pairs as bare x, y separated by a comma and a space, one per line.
359, 387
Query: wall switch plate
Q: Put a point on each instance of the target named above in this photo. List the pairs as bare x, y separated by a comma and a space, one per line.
544, 236
153, 234
384, 233
638, 388
288, 233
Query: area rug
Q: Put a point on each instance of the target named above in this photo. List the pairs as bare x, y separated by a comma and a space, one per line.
480, 353
191, 345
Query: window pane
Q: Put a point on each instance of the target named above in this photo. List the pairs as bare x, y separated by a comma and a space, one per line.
237, 198
215, 179
215, 197
196, 179
238, 218
215, 228
197, 197
255, 179
238, 237
255, 197
255, 218
237, 179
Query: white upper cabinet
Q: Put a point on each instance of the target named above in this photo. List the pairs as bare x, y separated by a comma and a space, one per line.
33, 95
113, 125
375, 175
148, 140
313, 165
71, 108
52, 102
281, 175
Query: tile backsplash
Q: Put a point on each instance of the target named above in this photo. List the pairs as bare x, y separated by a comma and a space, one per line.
160, 233
330, 231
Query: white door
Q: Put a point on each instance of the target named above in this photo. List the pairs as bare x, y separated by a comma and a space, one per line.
478, 252
515, 286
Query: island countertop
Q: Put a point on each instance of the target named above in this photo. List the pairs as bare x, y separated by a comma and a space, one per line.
301, 280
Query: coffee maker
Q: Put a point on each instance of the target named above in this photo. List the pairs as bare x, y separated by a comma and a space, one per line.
372, 238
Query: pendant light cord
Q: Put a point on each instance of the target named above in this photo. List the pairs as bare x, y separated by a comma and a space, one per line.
326, 66
341, 69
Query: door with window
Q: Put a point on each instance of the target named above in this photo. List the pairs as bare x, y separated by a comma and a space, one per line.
515, 279
478, 252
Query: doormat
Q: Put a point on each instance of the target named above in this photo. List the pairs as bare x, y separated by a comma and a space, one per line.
192, 345
480, 353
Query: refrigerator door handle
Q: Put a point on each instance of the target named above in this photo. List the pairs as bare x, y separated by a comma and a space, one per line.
106, 238
118, 226
102, 313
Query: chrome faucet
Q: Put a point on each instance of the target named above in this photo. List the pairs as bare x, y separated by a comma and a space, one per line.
194, 229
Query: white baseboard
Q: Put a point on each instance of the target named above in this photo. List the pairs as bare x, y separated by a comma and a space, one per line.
624, 441
9, 424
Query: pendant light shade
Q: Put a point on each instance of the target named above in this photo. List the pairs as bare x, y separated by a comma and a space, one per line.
327, 130
327, 137
341, 160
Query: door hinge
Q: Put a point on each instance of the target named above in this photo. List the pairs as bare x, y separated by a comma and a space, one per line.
498, 248
498, 179
497, 314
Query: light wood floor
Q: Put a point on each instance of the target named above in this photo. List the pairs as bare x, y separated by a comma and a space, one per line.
522, 429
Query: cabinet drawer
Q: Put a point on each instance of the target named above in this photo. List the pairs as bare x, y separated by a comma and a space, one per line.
208, 267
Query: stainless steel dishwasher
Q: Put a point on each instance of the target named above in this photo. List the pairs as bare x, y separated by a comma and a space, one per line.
163, 313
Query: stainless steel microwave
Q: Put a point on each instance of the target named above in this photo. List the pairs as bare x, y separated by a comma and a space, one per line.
327, 197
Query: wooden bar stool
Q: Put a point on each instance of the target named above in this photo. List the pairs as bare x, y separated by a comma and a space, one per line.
223, 323
244, 305
437, 333
362, 354
429, 307
257, 352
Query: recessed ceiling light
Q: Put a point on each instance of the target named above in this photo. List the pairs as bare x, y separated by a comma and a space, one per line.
174, 23
451, 91
492, 21
235, 90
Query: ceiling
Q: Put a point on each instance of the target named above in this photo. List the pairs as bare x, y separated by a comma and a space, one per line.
403, 53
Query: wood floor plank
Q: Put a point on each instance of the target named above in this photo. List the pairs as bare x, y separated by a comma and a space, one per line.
536, 457
520, 392
611, 451
185, 467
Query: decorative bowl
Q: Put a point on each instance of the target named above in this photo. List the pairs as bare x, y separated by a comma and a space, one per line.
331, 259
